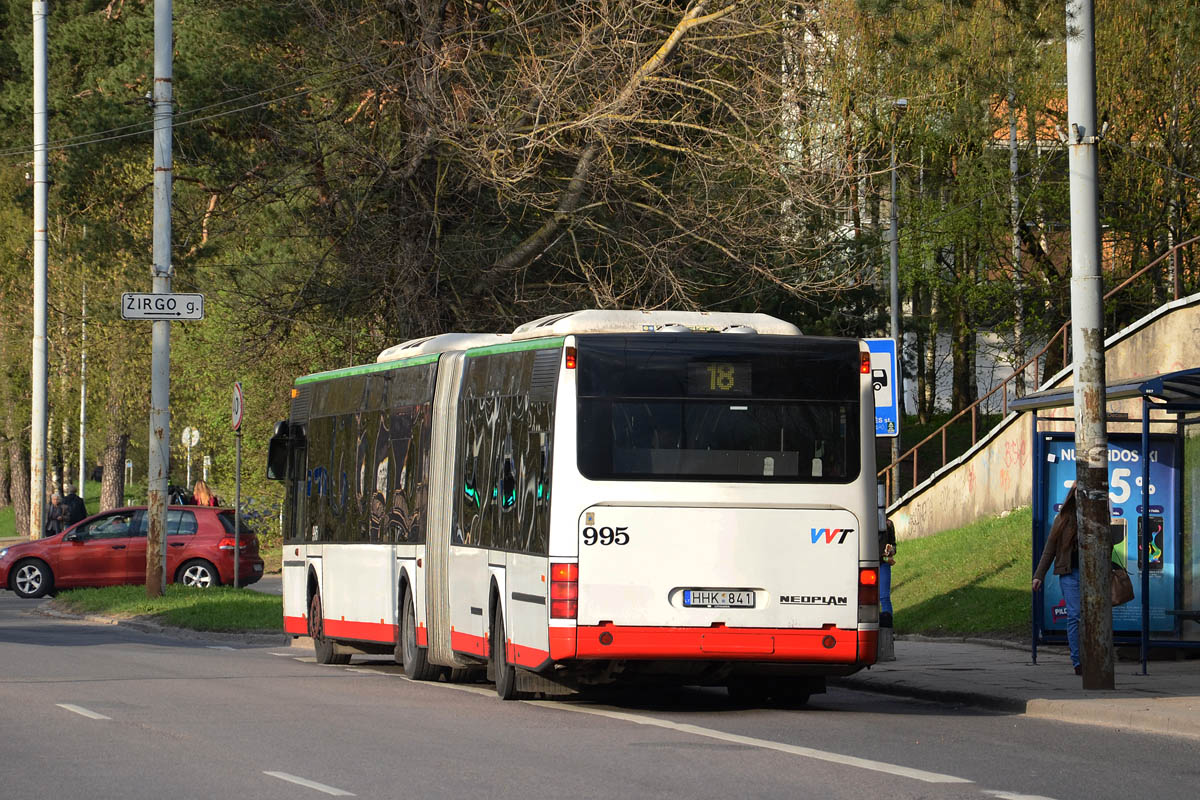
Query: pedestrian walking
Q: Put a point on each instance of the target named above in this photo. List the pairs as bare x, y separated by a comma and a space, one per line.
76, 511
56, 515
1062, 549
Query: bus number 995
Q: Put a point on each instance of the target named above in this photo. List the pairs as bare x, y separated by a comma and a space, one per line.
605, 536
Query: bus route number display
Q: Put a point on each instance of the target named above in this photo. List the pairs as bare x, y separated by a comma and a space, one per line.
718, 378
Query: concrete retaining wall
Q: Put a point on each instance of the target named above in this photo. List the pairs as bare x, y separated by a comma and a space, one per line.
996, 475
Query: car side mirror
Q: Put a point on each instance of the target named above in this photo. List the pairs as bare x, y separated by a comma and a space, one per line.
73, 536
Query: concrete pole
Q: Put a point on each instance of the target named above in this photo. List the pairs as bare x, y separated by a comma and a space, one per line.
1014, 199
160, 361
1091, 436
83, 393
894, 278
37, 433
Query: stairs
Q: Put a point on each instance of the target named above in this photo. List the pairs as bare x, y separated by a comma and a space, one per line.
996, 474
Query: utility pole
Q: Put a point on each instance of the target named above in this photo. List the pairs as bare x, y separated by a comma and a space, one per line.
1014, 199
1087, 288
894, 274
83, 390
160, 361
37, 433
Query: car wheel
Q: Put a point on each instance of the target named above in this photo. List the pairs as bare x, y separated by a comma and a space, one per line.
505, 673
198, 573
416, 658
322, 647
32, 579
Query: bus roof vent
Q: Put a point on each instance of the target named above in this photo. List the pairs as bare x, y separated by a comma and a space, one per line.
441, 343
738, 329
599, 321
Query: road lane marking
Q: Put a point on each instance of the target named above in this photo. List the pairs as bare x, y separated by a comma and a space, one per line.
285, 655
320, 787
765, 744
733, 738
81, 711
367, 671
218, 647
1014, 795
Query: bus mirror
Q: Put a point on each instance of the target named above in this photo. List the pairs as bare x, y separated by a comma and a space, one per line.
277, 457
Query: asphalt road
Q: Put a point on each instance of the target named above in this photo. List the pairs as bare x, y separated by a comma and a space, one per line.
102, 711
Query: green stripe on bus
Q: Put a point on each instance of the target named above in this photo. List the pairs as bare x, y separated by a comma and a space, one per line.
367, 369
516, 347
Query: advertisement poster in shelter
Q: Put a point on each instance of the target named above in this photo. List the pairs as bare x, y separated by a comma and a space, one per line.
1125, 498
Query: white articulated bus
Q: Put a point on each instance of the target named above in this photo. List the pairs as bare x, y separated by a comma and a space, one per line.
599, 496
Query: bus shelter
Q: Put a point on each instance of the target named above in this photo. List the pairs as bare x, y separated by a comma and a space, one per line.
1154, 489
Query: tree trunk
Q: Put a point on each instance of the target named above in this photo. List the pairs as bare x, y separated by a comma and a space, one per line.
18, 466
4, 500
116, 441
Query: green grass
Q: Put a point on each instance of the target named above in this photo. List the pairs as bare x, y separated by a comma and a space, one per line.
972, 581
221, 608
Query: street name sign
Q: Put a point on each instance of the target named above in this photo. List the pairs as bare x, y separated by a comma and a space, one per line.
883, 381
153, 305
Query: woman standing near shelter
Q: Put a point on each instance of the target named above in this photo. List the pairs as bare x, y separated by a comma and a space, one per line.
1061, 548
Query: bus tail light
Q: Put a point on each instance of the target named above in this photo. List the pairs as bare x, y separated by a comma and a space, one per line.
570, 358
564, 591
868, 594
864, 363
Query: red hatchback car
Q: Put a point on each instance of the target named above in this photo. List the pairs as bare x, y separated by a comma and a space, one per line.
110, 549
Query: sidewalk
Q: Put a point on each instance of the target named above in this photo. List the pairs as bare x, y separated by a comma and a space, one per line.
1003, 677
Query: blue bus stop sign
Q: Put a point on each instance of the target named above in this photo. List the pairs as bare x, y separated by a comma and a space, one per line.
883, 380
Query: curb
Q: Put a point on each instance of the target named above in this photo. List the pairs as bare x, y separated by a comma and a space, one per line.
146, 626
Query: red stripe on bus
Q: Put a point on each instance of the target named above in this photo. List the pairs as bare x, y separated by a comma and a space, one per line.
524, 656
362, 631
562, 643
868, 647
466, 643
422, 636
821, 645
295, 625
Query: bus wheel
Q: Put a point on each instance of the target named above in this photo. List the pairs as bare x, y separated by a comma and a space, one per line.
504, 672
322, 647
416, 662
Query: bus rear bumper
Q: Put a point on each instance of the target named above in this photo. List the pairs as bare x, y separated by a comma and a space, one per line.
812, 646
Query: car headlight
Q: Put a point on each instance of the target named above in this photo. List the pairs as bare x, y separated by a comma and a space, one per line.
3, 552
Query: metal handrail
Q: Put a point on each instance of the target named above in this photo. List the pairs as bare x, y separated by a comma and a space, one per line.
886, 473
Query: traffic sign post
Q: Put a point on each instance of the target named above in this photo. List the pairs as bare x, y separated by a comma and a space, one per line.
155, 305
191, 437
883, 381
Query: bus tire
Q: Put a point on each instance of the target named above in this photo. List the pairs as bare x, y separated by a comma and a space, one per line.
504, 672
416, 661
323, 648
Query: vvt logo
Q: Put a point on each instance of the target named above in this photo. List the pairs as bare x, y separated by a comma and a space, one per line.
830, 534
